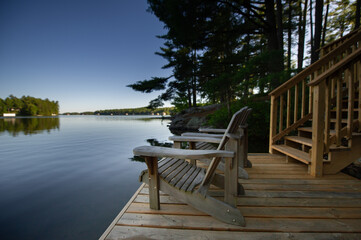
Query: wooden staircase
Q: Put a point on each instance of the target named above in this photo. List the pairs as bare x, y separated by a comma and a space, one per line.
316, 116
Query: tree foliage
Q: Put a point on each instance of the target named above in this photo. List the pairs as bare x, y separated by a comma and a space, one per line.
223, 50
134, 111
28, 106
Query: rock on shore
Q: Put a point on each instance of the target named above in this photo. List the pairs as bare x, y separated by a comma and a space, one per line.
191, 119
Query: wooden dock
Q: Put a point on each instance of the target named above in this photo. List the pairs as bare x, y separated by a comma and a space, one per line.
282, 202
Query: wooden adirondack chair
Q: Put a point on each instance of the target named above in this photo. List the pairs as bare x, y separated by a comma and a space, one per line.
207, 135
189, 183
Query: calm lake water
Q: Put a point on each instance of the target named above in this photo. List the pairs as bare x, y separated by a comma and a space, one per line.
68, 177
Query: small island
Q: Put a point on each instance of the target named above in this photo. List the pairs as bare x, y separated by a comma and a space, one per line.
28, 106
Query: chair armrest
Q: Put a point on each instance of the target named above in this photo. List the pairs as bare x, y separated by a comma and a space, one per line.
212, 130
152, 151
194, 139
196, 134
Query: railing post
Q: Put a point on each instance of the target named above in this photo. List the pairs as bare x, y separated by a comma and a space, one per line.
318, 124
273, 122
288, 120
338, 124
351, 101
358, 79
280, 126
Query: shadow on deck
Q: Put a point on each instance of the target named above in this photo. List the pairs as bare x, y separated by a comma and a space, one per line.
282, 202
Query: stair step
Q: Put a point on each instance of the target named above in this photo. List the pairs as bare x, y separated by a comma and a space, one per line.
342, 120
294, 153
308, 142
301, 140
346, 110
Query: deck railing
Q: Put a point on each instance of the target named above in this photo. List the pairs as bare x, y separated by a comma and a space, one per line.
334, 90
332, 45
313, 93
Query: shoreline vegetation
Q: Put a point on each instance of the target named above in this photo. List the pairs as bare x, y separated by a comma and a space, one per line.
28, 106
165, 111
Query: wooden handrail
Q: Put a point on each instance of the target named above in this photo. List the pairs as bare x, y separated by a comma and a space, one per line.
341, 64
292, 127
339, 39
315, 66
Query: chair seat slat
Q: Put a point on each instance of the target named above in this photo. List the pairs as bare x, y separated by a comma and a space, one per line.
171, 169
176, 179
190, 179
172, 175
197, 180
185, 177
167, 165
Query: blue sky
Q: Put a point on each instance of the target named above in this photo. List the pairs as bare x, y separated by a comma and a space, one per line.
81, 53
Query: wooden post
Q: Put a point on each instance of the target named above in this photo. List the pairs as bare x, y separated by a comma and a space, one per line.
273, 122
318, 122
359, 94
288, 120
243, 160
338, 109
192, 145
327, 114
177, 145
310, 97
295, 117
303, 104
351, 101
333, 87
231, 173
152, 163
281, 114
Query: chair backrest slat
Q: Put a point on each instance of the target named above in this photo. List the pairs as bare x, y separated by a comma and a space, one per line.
233, 126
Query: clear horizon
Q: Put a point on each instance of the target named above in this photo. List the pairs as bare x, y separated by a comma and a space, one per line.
80, 53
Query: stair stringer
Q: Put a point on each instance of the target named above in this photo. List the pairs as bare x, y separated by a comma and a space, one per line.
341, 159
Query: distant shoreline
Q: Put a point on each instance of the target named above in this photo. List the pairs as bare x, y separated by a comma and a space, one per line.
128, 112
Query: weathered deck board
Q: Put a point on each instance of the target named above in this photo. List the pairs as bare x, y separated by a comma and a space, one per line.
129, 232
281, 202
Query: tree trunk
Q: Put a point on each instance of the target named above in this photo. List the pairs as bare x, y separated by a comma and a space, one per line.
276, 65
311, 31
318, 30
189, 96
357, 20
279, 24
194, 92
289, 37
301, 34
194, 78
325, 23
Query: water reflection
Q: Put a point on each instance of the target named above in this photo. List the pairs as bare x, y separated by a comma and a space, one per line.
28, 126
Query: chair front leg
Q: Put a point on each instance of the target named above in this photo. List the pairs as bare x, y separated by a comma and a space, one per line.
230, 185
231, 173
152, 163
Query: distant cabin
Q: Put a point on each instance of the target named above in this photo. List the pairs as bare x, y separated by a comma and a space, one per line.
9, 114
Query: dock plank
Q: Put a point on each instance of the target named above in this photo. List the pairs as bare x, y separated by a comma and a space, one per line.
266, 212
181, 234
253, 224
